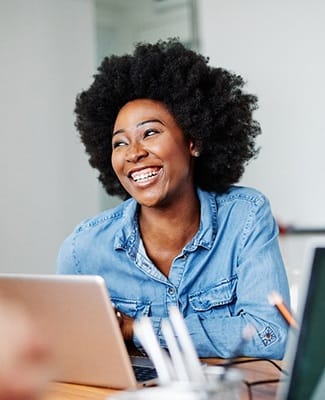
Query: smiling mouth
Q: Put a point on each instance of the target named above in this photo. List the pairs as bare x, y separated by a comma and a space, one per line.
144, 175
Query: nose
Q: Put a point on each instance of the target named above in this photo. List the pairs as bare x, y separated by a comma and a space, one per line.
135, 152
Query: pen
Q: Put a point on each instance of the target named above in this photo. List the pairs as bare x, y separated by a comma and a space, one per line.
144, 331
276, 300
176, 355
185, 342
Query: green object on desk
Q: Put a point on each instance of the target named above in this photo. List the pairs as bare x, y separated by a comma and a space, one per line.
309, 362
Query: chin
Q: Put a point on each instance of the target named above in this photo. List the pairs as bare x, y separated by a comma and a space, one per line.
151, 201
149, 198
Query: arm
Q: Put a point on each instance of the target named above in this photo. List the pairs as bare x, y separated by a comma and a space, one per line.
260, 270
67, 263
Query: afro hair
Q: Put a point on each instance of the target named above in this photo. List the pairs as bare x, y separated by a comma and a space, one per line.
208, 104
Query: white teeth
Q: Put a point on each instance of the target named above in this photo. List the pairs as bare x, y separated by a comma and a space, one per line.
142, 177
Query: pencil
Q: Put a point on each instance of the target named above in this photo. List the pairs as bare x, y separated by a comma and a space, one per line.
276, 300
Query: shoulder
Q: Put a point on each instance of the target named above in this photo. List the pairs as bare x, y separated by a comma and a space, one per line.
94, 235
105, 224
241, 194
235, 209
241, 205
105, 218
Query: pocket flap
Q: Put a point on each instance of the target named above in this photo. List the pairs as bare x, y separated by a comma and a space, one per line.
222, 293
132, 308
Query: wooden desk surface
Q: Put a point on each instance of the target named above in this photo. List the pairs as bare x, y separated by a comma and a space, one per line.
252, 371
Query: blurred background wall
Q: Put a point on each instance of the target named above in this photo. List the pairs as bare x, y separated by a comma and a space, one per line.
49, 51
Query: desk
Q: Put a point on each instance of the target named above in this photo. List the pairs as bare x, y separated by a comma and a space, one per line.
252, 371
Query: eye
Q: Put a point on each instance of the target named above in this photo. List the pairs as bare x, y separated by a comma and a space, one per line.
118, 143
150, 132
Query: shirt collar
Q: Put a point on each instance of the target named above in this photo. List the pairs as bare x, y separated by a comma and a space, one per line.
129, 234
208, 221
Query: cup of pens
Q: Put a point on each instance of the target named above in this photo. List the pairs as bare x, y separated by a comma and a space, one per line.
181, 375
215, 388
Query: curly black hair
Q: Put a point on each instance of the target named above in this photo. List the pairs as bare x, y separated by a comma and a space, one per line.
208, 104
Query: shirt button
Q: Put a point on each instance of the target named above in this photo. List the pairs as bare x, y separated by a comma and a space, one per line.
171, 290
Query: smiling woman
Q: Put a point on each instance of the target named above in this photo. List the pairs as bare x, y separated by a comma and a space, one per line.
171, 136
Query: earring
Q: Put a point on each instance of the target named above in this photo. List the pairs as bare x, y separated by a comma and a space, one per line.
196, 154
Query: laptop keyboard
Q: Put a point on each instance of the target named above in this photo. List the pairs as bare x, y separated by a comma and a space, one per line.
144, 373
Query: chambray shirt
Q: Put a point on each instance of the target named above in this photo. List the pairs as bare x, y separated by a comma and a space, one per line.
220, 280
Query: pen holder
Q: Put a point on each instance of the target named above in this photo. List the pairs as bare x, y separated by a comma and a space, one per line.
224, 383
221, 384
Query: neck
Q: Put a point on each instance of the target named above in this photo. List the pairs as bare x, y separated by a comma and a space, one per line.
173, 225
166, 230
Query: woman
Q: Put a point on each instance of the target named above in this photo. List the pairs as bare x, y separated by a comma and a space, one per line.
171, 135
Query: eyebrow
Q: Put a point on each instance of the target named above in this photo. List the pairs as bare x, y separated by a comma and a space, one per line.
147, 121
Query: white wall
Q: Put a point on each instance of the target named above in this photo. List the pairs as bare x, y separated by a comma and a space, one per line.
121, 24
47, 50
278, 47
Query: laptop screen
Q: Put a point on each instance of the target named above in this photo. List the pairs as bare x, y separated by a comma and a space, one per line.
309, 360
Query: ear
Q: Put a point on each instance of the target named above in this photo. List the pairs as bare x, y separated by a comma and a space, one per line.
195, 148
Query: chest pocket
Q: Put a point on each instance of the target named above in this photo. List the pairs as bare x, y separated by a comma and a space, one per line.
216, 299
132, 308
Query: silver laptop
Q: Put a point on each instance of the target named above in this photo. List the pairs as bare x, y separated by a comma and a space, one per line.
77, 317
306, 351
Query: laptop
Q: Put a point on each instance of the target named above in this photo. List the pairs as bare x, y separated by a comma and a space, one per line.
76, 315
305, 354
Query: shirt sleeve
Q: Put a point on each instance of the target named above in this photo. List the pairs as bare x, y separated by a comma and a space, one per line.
260, 270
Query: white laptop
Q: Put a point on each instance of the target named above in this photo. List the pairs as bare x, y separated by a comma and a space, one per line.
77, 316
306, 350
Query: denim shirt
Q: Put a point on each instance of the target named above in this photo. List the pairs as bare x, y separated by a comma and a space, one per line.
220, 281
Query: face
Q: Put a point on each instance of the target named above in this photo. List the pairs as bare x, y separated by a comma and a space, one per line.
151, 156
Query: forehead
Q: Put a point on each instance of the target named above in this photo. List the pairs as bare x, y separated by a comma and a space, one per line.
140, 110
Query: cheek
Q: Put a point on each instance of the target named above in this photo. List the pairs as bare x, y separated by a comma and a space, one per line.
116, 163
